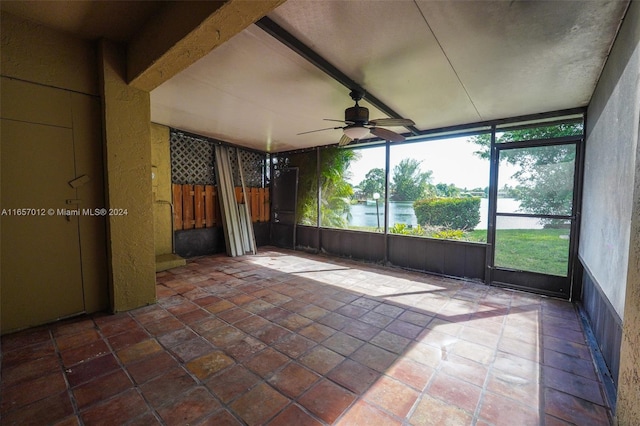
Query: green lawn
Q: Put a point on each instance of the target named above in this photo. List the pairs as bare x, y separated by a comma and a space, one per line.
536, 250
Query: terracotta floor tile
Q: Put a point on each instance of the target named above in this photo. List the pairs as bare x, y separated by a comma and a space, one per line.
517, 366
293, 380
313, 312
252, 324
574, 410
351, 311
258, 306
455, 392
294, 345
335, 321
220, 418
388, 310
151, 367
353, 376
570, 364
426, 354
189, 407
464, 369
405, 329
128, 338
167, 386
376, 319
274, 314
390, 341
139, 351
231, 383
566, 347
115, 411
363, 413
520, 348
522, 390
101, 388
361, 330
266, 362
294, 415
420, 355
317, 332
411, 373
327, 401
207, 365
176, 337
321, 359
49, 410
191, 349
374, 357
259, 405
342, 343
433, 412
392, 396
572, 384
25, 393
245, 348
72, 326
225, 336
163, 326
69, 341
294, 322
24, 339
30, 370
233, 315
208, 324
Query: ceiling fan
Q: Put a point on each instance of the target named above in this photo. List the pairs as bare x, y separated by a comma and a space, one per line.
359, 126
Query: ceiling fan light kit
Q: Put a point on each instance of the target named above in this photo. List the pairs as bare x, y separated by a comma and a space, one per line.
356, 132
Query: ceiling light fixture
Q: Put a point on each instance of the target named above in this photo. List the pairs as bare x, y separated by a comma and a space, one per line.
356, 132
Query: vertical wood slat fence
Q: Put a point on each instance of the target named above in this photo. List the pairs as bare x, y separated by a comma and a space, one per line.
197, 206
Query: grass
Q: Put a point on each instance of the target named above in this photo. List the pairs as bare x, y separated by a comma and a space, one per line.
537, 250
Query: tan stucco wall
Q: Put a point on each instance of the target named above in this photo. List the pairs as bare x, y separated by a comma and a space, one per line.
161, 162
127, 139
38, 54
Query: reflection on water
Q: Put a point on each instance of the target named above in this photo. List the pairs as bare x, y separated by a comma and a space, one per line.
402, 212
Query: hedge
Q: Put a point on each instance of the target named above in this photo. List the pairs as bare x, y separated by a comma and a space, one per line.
450, 212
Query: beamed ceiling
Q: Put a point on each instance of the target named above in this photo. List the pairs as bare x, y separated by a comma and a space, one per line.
439, 63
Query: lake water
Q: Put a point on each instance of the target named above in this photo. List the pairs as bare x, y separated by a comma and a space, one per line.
402, 212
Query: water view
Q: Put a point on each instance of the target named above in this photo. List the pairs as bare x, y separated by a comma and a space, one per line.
402, 212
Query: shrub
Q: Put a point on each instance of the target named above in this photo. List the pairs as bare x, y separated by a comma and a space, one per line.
451, 212
450, 234
403, 229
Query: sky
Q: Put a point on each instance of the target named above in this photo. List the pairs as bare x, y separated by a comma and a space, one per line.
452, 161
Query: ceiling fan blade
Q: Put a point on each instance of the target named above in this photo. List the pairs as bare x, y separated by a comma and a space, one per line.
344, 140
319, 130
386, 134
339, 121
392, 122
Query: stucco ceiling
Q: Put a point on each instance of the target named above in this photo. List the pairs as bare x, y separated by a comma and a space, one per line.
440, 63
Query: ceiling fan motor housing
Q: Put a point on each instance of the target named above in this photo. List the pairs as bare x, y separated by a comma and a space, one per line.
357, 114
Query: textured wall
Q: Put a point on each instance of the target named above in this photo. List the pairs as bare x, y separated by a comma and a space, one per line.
52, 58
612, 133
628, 410
610, 234
127, 139
161, 161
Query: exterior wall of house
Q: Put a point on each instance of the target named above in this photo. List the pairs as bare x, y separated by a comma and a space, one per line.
162, 212
609, 237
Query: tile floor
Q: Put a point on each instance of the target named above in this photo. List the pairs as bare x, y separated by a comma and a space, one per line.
285, 338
